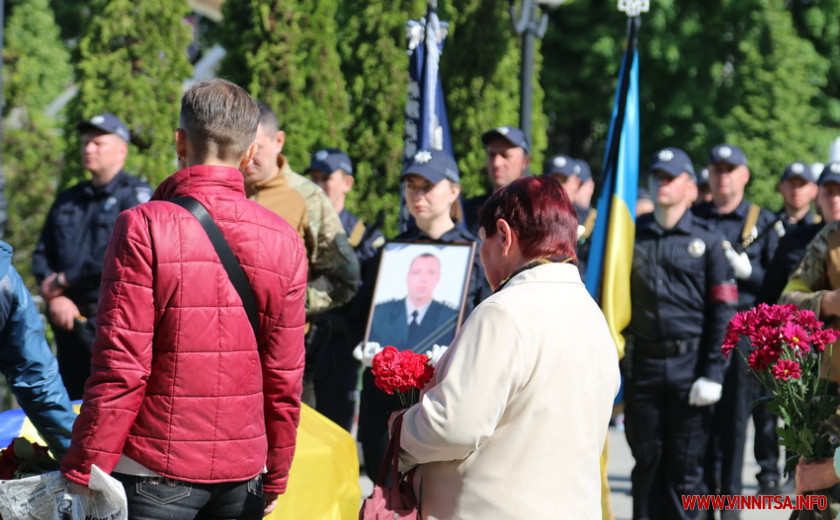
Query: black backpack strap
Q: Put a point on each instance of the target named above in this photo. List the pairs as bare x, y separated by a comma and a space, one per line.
229, 261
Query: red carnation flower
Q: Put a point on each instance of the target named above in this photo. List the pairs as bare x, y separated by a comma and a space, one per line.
400, 371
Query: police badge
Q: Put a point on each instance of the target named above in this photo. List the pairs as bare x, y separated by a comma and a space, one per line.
696, 248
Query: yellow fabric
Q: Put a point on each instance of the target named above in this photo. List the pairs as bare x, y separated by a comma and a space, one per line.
606, 506
357, 234
618, 261
796, 284
324, 477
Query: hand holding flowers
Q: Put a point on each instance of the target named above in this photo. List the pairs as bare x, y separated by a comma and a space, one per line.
787, 346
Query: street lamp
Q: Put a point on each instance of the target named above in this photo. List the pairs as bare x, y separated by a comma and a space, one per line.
530, 26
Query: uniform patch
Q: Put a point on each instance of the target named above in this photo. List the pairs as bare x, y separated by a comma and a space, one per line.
142, 194
110, 203
422, 157
780, 228
559, 162
581, 230
696, 248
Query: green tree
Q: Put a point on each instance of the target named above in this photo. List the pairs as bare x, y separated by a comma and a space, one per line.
481, 78
372, 46
284, 53
132, 61
726, 70
819, 23
36, 70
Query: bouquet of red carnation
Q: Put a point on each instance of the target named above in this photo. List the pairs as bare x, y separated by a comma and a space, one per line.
23, 459
401, 371
787, 345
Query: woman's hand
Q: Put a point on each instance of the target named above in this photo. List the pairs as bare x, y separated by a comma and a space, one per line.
815, 476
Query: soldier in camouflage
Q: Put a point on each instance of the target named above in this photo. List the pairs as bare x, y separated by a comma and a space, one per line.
815, 283
333, 267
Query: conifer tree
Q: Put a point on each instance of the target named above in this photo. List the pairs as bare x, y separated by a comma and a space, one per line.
481, 78
36, 71
751, 81
372, 45
132, 62
284, 53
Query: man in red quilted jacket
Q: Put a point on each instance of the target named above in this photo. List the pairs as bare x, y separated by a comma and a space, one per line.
188, 409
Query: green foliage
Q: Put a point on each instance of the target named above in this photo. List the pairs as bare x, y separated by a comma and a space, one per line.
726, 70
31, 163
481, 81
284, 53
776, 82
372, 46
36, 70
132, 63
36, 64
71, 16
819, 23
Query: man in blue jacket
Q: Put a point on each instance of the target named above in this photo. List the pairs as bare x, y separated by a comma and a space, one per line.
30, 368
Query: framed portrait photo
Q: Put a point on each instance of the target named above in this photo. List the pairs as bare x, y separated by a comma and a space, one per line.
420, 293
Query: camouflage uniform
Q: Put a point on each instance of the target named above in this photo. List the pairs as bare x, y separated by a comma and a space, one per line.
333, 268
817, 274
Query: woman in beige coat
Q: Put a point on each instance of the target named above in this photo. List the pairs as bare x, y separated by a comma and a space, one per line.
514, 421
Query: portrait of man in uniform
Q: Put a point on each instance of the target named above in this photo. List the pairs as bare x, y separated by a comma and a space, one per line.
428, 312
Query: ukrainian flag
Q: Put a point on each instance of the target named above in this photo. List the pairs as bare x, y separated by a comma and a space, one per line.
611, 253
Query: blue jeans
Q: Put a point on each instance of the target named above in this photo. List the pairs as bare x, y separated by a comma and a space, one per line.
160, 498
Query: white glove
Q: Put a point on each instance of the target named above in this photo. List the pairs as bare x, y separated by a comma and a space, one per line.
704, 392
740, 262
435, 353
365, 351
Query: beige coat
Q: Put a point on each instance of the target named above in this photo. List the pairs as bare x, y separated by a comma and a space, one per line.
514, 421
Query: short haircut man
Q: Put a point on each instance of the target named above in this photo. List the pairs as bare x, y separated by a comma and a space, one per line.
270, 181
423, 276
176, 360
508, 157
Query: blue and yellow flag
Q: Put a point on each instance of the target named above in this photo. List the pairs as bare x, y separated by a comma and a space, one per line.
611, 253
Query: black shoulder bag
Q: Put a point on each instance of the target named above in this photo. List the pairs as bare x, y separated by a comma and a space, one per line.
228, 259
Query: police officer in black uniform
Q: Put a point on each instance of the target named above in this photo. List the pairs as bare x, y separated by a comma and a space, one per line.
570, 172
428, 170
67, 262
751, 234
336, 375
683, 294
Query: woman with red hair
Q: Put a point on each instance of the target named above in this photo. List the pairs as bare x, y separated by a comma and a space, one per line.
514, 421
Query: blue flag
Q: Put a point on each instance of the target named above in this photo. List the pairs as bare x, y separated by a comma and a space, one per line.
426, 125
611, 254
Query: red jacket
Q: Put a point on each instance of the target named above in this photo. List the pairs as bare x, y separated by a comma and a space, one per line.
178, 382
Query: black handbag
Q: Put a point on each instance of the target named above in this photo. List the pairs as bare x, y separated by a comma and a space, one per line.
228, 259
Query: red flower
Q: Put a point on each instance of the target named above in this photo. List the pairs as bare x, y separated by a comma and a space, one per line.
787, 369
762, 358
796, 336
400, 371
821, 338
807, 319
